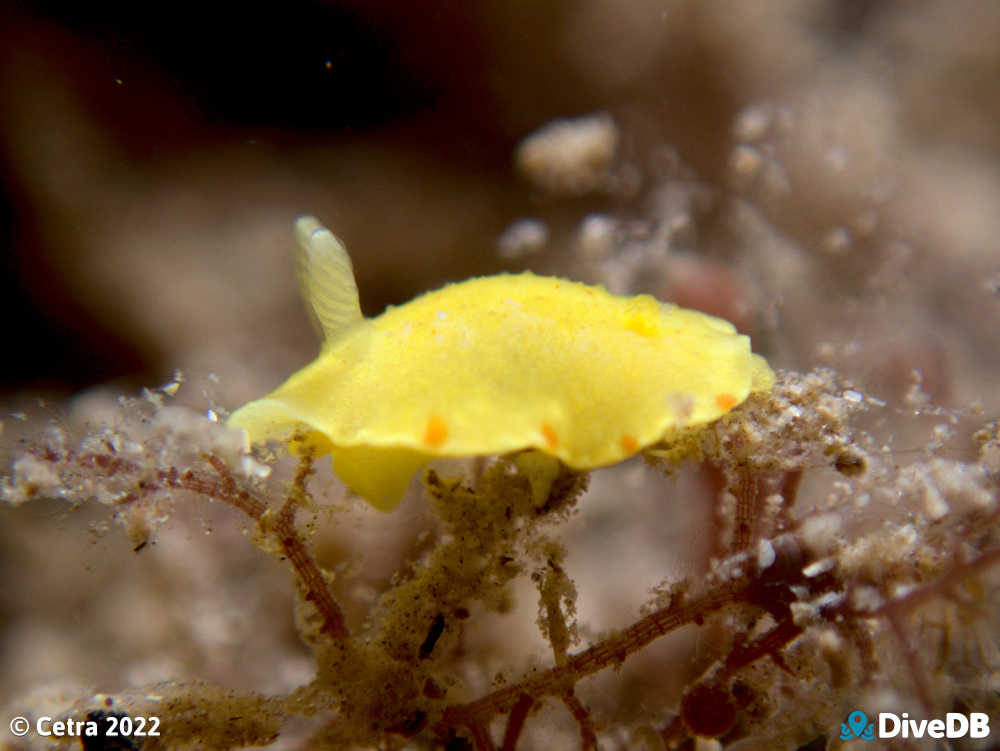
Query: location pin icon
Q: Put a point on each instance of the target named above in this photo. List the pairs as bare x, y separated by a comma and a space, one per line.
857, 721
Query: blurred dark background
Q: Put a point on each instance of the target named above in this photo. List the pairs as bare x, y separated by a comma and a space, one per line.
153, 157
107, 105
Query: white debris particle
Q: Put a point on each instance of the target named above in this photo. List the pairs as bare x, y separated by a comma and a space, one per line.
934, 503
942, 484
902, 590
816, 568
765, 554
803, 613
570, 157
820, 533
830, 641
250, 467
907, 535
31, 476
523, 237
830, 599
753, 122
853, 396
773, 504
153, 397
806, 613
866, 599
915, 394
745, 162
837, 241
943, 432
596, 238
179, 429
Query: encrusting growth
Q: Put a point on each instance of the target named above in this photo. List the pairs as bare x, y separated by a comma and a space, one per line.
805, 616
494, 365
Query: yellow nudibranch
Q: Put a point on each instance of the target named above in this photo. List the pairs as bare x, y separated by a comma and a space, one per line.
493, 365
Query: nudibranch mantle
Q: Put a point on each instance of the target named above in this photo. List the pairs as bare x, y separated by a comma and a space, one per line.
493, 365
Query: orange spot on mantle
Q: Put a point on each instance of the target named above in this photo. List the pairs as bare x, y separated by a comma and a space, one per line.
629, 444
725, 401
550, 436
436, 431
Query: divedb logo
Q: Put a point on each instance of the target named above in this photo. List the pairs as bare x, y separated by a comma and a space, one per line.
890, 725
